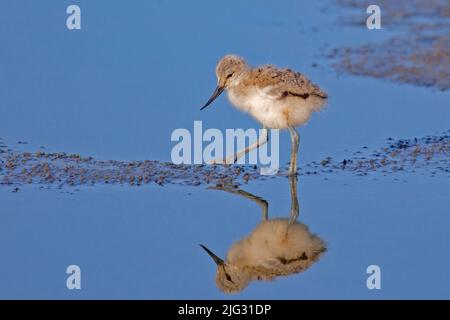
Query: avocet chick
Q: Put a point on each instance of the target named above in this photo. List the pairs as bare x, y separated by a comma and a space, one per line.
277, 98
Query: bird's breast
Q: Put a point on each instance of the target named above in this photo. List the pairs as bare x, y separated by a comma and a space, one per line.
264, 107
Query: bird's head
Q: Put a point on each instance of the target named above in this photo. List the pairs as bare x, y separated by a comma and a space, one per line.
228, 70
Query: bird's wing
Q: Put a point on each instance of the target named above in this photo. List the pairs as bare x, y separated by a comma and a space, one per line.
280, 83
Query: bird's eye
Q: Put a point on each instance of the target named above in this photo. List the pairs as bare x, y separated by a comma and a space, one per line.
229, 75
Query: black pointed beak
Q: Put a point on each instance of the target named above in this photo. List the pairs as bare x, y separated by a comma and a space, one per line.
216, 259
216, 93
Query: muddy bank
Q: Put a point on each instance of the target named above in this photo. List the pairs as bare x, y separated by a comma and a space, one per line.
428, 155
419, 56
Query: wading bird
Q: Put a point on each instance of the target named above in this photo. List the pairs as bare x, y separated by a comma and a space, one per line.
277, 98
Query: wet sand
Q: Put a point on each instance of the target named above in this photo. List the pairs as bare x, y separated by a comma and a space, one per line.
419, 56
429, 154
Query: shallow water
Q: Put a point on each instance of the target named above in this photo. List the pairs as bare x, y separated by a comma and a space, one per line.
107, 92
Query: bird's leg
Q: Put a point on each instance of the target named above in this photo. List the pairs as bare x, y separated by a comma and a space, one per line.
294, 200
264, 137
295, 140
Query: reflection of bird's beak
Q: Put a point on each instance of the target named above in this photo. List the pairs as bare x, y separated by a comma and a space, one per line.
216, 93
216, 259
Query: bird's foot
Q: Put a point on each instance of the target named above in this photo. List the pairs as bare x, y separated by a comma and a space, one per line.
216, 161
292, 172
224, 161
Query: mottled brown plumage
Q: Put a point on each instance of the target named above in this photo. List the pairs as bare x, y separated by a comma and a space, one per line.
285, 82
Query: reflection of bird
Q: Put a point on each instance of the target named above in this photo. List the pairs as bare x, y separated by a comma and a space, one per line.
276, 247
277, 98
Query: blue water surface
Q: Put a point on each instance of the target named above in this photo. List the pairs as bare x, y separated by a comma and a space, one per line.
117, 88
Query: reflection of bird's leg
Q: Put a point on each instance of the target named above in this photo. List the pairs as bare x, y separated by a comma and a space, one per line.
294, 199
259, 201
295, 141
